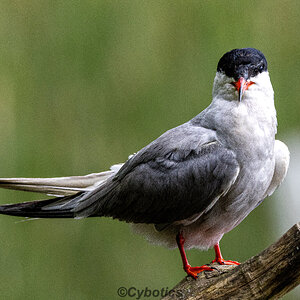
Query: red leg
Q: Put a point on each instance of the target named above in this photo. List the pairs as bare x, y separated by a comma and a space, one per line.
192, 271
220, 260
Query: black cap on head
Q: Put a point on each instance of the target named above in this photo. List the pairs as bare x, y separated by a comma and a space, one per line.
246, 62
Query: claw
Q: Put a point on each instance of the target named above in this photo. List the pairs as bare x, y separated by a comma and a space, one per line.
222, 261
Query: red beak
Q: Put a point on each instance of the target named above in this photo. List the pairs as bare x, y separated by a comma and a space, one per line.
241, 86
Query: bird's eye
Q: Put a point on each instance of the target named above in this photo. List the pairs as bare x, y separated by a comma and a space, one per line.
260, 68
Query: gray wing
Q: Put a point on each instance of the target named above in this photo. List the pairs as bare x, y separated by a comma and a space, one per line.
183, 172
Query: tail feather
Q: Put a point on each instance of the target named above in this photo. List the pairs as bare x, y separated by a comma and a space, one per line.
50, 208
69, 190
59, 186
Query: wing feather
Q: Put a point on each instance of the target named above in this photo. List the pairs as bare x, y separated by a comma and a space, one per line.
162, 184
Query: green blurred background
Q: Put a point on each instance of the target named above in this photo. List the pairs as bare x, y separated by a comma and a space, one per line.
83, 84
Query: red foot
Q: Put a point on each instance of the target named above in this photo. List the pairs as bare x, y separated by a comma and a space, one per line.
222, 261
194, 271
191, 271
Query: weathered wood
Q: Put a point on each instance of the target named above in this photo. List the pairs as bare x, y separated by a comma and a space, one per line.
268, 275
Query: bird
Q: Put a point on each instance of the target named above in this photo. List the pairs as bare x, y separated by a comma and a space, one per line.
195, 182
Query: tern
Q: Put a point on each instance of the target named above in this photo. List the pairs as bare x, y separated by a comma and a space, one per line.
196, 181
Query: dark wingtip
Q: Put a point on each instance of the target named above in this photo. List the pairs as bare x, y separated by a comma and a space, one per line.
34, 209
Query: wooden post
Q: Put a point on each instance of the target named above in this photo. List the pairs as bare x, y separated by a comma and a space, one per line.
268, 275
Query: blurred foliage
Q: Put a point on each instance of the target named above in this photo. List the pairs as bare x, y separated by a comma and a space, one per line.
86, 83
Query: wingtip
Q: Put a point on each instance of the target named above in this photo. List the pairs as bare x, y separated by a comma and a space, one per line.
34, 209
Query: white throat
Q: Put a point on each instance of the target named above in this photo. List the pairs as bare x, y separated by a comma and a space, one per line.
252, 119
223, 88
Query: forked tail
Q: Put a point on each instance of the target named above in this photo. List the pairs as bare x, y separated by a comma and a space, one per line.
68, 190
